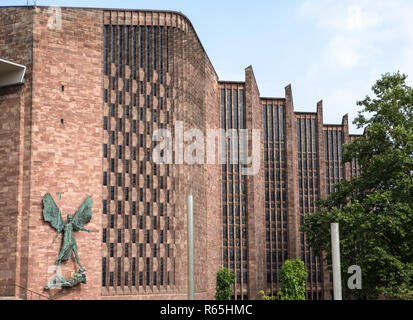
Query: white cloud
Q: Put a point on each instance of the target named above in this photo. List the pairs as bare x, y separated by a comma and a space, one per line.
343, 53
340, 15
360, 41
359, 19
361, 30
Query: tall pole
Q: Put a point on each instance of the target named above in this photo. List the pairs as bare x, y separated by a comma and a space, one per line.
191, 280
60, 213
335, 247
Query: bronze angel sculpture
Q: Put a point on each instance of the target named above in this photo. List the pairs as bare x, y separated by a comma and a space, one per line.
51, 214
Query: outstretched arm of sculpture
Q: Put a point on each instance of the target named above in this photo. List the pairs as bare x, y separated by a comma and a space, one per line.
83, 229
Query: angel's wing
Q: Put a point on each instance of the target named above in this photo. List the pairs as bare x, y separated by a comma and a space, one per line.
84, 214
51, 213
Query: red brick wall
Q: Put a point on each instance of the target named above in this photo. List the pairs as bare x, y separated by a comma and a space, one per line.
322, 188
15, 105
195, 84
66, 157
255, 194
9, 177
212, 189
292, 176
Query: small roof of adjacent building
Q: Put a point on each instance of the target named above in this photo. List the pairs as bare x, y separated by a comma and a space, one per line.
11, 73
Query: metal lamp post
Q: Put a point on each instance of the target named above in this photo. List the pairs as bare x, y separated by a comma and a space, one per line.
335, 248
191, 280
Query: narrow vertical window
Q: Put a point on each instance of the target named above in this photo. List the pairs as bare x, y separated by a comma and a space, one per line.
303, 136
126, 195
105, 150
330, 146
299, 134
134, 35
120, 51
235, 100
119, 180
112, 165
314, 135
309, 141
119, 207
105, 95
270, 122
242, 110
148, 266
264, 119
113, 43
161, 273
106, 50
111, 279
155, 33
119, 272
223, 112
127, 85
335, 146
133, 271
161, 32
148, 52
127, 45
141, 46
105, 178
167, 49
229, 109
119, 97
340, 146
281, 123
276, 123
134, 126
103, 272
141, 114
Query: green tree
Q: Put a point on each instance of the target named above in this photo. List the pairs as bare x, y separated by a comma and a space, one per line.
225, 280
375, 210
292, 280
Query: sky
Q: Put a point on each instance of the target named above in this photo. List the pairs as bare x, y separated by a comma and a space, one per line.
330, 50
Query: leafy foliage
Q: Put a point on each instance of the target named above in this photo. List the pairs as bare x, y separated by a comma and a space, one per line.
375, 210
292, 280
225, 280
267, 295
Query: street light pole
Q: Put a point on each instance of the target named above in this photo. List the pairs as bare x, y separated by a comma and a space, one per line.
191, 280
335, 247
